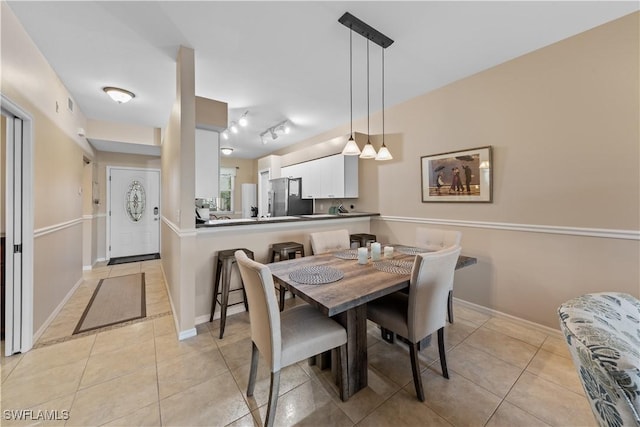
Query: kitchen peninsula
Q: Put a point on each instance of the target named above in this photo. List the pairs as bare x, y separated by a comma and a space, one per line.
258, 235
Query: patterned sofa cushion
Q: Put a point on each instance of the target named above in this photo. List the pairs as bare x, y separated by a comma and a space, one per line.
603, 334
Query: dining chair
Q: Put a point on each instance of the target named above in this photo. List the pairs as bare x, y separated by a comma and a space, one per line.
329, 241
420, 312
285, 338
435, 239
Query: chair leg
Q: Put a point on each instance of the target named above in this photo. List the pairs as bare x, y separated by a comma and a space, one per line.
273, 399
226, 283
415, 367
450, 306
253, 370
281, 294
216, 288
443, 356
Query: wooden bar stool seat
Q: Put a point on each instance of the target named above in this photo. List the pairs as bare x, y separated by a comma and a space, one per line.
362, 239
285, 251
226, 259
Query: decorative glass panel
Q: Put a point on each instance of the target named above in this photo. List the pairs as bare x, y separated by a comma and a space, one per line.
135, 201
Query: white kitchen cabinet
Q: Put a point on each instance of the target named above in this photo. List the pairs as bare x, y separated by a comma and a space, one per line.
329, 177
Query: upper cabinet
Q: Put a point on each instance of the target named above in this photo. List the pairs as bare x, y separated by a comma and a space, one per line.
327, 178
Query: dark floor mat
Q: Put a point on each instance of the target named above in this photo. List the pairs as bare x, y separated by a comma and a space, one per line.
134, 258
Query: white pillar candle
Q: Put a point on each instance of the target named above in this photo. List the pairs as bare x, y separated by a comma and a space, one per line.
388, 251
375, 251
362, 255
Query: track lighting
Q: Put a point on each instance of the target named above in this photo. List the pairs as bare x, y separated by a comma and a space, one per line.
233, 127
225, 134
243, 121
273, 132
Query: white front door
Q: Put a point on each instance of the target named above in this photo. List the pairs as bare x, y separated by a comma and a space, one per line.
133, 211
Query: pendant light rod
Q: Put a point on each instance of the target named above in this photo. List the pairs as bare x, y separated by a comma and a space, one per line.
351, 79
365, 30
368, 114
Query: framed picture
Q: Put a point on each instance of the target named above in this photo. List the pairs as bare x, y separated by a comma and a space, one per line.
458, 176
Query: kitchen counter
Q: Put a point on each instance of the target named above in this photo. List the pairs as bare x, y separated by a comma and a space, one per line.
282, 219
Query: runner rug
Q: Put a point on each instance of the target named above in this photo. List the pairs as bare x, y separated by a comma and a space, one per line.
115, 300
133, 258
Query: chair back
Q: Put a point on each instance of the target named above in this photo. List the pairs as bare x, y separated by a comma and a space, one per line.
435, 238
602, 331
429, 290
329, 241
264, 313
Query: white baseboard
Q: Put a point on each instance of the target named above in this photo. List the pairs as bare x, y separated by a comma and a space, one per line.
498, 314
55, 312
183, 335
230, 311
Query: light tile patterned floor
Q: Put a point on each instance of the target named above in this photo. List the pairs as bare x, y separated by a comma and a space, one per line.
501, 374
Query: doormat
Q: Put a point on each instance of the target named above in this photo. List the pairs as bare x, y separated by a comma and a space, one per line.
115, 300
133, 258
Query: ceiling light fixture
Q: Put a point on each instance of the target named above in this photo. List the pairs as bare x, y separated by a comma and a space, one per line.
368, 152
226, 150
121, 96
273, 132
384, 153
225, 134
351, 149
243, 121
233, 127
371, 34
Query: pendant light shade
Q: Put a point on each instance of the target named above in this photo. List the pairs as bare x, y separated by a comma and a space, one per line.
384, 153
368, 152
351, 149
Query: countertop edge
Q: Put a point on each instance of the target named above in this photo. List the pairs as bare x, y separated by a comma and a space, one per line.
299, 219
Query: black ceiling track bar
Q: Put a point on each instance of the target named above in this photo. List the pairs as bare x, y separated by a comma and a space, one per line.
365, 30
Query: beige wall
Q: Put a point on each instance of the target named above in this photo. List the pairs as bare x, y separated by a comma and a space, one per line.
122, 132
29, 82
178, 194
563, 124
3, 181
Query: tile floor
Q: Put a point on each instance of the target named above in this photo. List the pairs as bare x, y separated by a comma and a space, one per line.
501, 374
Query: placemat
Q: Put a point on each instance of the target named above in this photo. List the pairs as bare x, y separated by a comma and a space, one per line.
348, 254
411, 250
316, 275
394, 266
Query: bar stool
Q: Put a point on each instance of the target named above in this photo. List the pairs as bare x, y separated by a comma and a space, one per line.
284, 251
226, 259
362, 239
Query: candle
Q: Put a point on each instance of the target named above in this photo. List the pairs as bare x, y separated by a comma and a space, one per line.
388, 251
362, 255
375, 251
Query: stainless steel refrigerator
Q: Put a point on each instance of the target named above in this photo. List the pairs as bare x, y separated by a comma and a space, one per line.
285, 198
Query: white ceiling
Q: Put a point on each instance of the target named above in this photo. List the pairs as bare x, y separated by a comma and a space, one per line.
286, 60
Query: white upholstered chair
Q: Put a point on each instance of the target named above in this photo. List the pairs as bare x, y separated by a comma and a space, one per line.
285, 338
602, 331
329, 241
435, 239
421, 312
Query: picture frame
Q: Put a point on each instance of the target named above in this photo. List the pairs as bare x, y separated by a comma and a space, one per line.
458, 176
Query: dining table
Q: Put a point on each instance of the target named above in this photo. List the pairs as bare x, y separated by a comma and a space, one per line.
345, 298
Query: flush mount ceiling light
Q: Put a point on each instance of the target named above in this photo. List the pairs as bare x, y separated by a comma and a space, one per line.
121, 96
371, 34
273, 132
226, 150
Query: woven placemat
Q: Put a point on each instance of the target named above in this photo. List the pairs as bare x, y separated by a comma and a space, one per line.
411, 250
348, 254
316, 275
394, 266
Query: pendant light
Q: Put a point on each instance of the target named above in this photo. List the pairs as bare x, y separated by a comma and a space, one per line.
368, 152
351, 149
384, 153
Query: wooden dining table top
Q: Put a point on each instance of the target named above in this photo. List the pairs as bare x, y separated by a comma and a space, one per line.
361, 282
